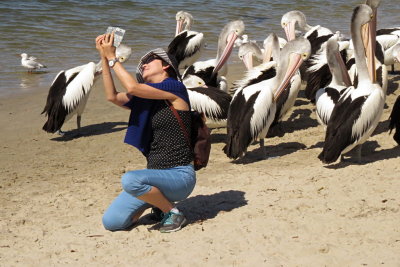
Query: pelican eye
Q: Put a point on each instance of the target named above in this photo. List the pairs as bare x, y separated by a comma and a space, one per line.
304, 55
284, 24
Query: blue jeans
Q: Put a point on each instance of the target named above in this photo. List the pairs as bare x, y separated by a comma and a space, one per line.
175, 183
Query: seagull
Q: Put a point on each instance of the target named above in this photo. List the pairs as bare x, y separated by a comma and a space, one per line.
30, 62
69, 92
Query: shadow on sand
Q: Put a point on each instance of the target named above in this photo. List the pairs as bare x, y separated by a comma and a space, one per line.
204, 207
92, 130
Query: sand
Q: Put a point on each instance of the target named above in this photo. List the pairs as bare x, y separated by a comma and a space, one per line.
287, 210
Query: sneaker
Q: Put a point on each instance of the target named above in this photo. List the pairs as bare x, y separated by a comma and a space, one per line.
172, 222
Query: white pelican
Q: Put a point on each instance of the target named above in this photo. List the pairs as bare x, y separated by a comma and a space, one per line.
250, 49
187, 45
315, 71
30, 62
211, 70
70, 91
359, 109
327, 97
253, 107
377, 49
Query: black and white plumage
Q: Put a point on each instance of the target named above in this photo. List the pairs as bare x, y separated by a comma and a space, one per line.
380, 72
213, 103
359, 109
327, 97
253, 107
315, 71
30, 62
211, 70
69, 92
388, 38
187, 45
395, 120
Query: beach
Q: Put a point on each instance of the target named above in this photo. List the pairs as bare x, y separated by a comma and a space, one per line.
286, 210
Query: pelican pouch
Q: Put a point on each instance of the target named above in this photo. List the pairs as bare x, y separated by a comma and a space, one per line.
200, 139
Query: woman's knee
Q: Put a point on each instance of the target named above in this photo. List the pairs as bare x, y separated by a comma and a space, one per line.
113, 222
132, 183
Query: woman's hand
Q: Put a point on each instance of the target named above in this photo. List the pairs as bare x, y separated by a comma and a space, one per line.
107, 45
99, 41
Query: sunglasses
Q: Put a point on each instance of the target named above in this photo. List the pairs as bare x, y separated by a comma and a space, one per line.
150, 59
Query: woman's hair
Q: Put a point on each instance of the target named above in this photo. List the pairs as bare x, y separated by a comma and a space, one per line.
170, 71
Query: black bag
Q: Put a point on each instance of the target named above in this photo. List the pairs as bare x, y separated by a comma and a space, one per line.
199, 140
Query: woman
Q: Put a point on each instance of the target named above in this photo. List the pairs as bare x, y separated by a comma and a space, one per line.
155, 131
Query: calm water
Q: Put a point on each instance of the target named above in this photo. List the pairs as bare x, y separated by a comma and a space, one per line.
61, 33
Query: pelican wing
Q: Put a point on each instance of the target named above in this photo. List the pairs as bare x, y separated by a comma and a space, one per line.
213, 102
395, 120
185, 45
64, 90
250, 114
79, 86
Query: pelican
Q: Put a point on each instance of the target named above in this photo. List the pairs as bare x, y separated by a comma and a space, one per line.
378, 57
395, 115
359, 109
327, 97
253, 107
388, 38
30, 63
315, 71
395, 120
69, 92
250, 49
187, 45
211, 70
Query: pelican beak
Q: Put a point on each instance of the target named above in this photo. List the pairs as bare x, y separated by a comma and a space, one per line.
290, 31
295, 62
343, 69
248, 60
179, 26
369, 41
267, 54
227, 52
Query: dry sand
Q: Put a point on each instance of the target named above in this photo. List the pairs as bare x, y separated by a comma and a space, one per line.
288, 210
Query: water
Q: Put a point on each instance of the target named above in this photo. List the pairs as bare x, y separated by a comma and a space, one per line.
61, 33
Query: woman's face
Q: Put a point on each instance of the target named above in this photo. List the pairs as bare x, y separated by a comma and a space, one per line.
152, 68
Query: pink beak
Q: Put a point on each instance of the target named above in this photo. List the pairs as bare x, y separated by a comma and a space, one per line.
290, 31
226, 53
294, 65
179, 25
248, 60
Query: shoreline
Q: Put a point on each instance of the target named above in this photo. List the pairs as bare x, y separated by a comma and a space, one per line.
287, 210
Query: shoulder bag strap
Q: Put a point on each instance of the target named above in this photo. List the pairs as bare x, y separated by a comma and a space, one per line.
183, 128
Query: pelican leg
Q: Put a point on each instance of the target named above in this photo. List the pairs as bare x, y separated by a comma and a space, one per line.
78, 122
264, 152
359, 153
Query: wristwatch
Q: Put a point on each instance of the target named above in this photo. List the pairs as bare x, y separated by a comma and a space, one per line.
112, 62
